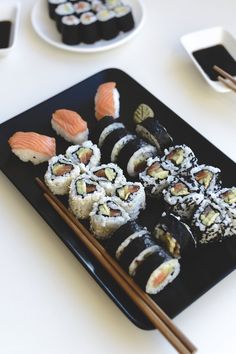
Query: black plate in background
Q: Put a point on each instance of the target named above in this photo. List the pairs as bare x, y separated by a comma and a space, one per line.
207, 266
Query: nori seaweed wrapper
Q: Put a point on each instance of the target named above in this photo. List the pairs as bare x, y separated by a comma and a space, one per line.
110, 141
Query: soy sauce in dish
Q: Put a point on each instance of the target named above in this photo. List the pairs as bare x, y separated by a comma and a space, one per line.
5, 30
215, 55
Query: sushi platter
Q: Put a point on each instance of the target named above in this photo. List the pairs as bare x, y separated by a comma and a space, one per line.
93, 40
197, 260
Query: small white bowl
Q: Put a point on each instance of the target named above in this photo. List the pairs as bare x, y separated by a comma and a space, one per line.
10, 11
208, 38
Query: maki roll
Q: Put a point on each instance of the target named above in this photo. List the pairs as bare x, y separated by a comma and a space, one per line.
118, 146
107, 101
110, 141
86, 155
108, 130
106, 217
131, 196
107, 24
60, 173
89, 28
142, 112
109, 176
136, 251
52, 4
81, 7
226, 199
111, 4
70, 126
33, 147
152, 131
210, 222
182, 198
206, 177
101, 124
179, 158
155, 177
133, 156
124, 17
64, 9
97, 6
156, 271
70, 29
84, 192
122, 237
174, 235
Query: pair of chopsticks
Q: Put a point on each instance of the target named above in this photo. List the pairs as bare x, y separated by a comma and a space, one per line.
226, 79
152, 311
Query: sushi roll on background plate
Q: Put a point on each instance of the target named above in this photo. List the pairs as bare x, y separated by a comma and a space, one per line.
52, 4
70, 126
71, 30
89, 28
107, 23
124, 17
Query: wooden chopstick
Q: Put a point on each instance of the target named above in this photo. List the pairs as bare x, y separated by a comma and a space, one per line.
153, 312
224, 77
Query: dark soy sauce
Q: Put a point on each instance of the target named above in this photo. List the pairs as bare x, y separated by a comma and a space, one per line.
5, 30
216, 55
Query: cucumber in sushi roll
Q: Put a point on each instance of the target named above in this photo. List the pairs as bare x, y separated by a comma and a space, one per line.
180, 158
60, 173
84, 192
210, 222
87, 155
133, 156
106, 217
109, 176
156, 271
174, 235
226, 199
131, 196
111, 4
152, 131
182, 198
206, 177
155, 177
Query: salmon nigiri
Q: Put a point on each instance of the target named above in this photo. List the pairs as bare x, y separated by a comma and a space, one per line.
107, 101
34, 147
70, 126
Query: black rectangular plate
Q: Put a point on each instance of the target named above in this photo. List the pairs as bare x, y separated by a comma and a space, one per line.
206, 267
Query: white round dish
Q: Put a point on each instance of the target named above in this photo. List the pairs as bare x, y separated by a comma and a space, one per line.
46, 29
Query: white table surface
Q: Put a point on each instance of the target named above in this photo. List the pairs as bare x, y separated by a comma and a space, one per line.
48, 302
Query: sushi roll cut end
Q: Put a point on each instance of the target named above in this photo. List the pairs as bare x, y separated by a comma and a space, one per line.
70, 126
33, 147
